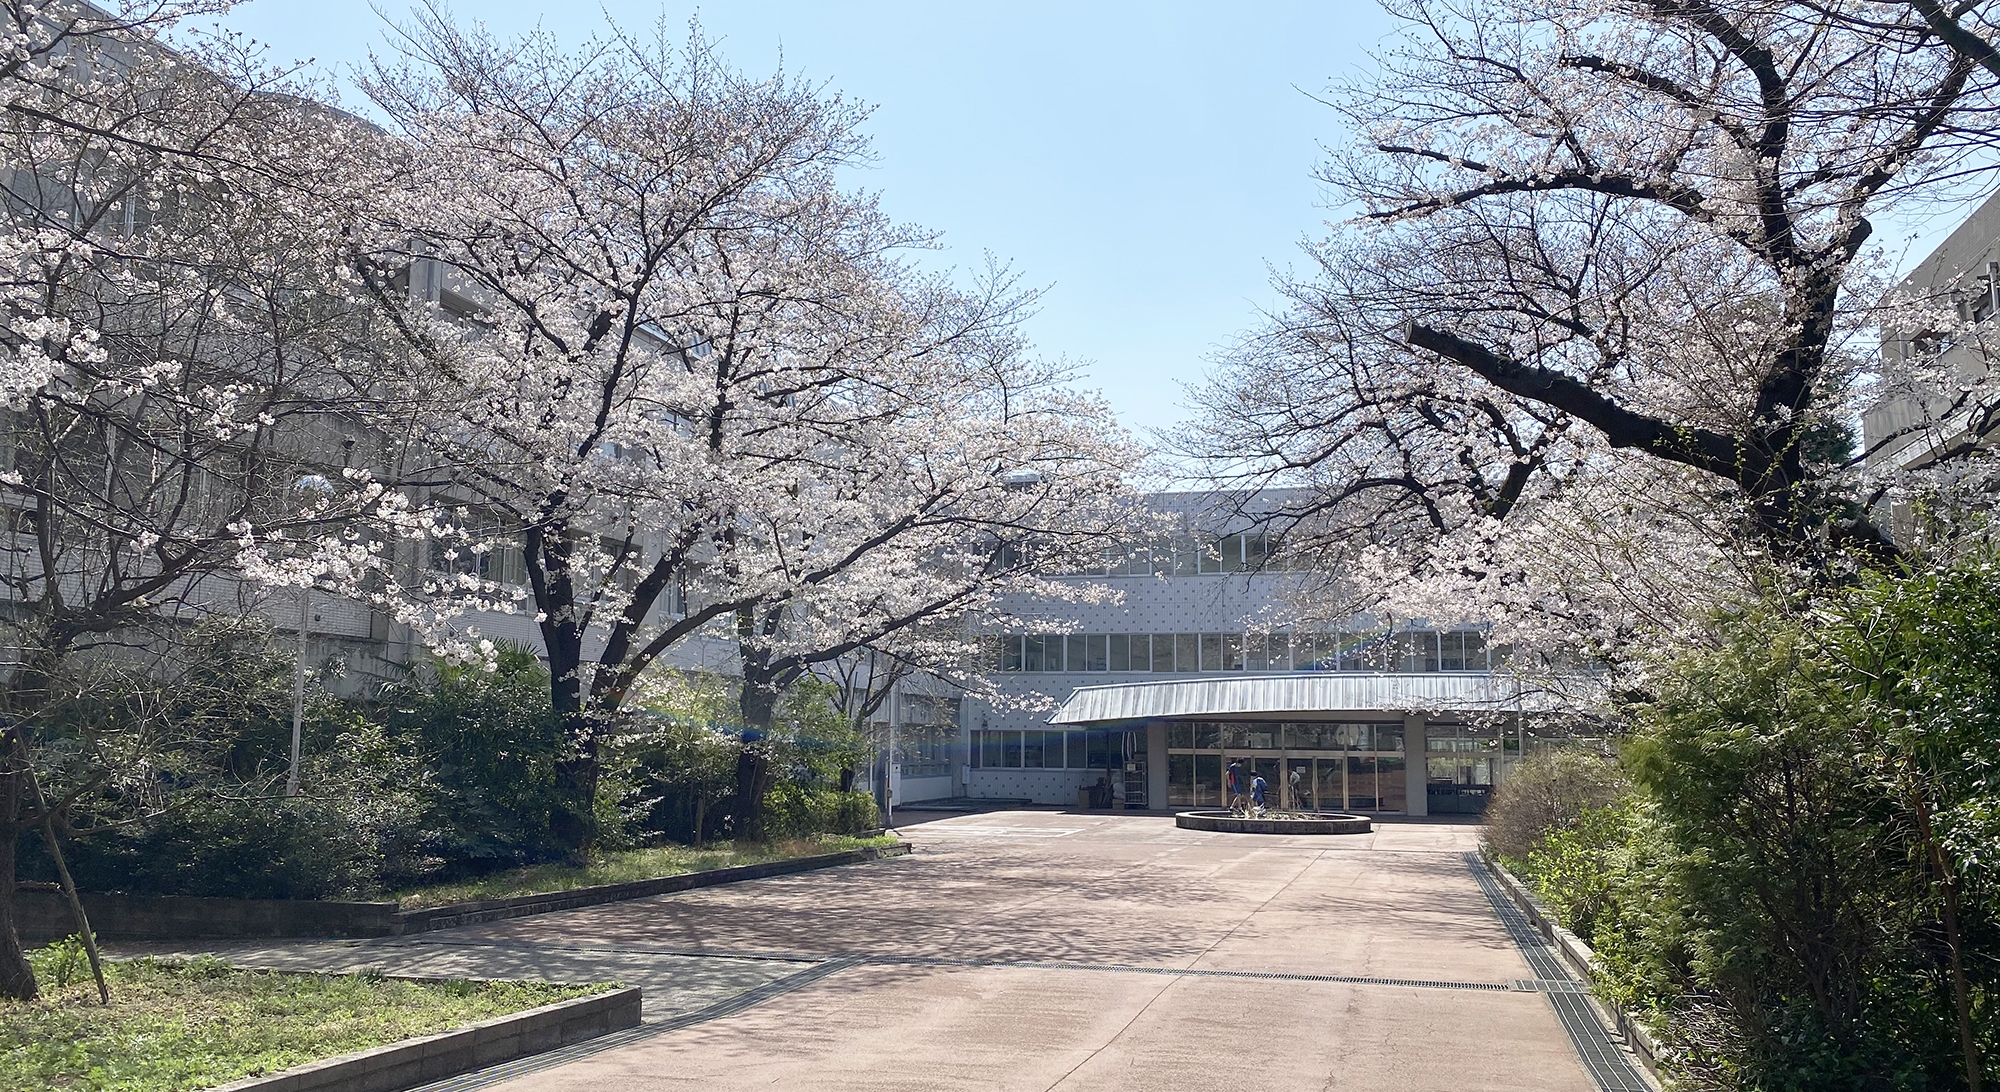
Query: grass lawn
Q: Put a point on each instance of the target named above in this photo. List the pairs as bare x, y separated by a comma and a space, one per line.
625, 865
175, 1025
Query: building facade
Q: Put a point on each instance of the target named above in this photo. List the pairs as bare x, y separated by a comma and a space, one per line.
1198, 644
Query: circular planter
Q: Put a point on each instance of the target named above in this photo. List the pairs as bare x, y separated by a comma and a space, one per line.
1316, 823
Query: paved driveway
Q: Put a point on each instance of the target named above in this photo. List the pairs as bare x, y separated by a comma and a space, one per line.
1039, 950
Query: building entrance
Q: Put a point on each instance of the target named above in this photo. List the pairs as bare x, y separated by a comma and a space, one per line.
1340, 766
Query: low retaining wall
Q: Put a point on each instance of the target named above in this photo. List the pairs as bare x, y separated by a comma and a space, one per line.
1581, 961
434, 1057
1226, 823
42, 913
472, 913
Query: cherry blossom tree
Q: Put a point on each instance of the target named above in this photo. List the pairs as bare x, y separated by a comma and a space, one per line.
178, 340
677, 382
1607, 308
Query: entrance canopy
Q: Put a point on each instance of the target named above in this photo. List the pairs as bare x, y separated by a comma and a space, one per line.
1296, 696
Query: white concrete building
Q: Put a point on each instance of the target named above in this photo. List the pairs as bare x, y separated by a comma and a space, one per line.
1197, 663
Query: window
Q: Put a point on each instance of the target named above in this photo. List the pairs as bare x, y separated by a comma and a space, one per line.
1133, 561
1356, 651
1231, 549
1121, 652
1255, 550
1076, 656
1462, 651
1094, 656
1185, 648
1033, 659
1213, 555
1010, 750
1031, 750
1211, 652
1418, 651
1079, 756
1232, 652
490, 551
1163, 652
1007, 653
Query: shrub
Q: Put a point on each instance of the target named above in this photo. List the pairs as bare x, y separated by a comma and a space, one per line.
1548, 793
491, 740
353, 828
796, 811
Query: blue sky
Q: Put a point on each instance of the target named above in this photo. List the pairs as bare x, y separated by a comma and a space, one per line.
1145, 161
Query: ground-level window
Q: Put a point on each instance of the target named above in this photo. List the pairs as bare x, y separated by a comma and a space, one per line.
1045, 750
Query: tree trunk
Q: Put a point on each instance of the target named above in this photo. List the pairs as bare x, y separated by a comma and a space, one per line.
1961, 993
17, 978
759, 702
573, 824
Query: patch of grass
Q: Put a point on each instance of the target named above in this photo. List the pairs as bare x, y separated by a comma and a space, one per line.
184, 1024
623, 866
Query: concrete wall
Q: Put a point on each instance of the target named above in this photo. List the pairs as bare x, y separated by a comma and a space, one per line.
1040, 786
42, 913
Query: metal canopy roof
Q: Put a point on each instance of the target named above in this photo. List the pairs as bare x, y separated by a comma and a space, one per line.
1300, 694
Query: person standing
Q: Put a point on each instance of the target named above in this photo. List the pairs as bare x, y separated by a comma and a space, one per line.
1235, 785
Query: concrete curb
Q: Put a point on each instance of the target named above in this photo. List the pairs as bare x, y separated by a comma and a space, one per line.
1225, 823
45, 915
434, 1057
472, 913
1580, 960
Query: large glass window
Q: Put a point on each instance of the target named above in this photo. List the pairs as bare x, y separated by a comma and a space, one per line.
1121, 652
991, 750
1214, 555
1232, 554
1077, 656
1010, 749
1255, 550
1391, 784
1106, 750
1211, 652
1094, 655
1180, 780
1208, 779
1361, 782
1079, 755
1419, 650
1232, 652
1163, 652
1185, 657
1031, 750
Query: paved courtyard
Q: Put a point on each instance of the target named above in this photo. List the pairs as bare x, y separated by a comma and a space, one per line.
1042, 950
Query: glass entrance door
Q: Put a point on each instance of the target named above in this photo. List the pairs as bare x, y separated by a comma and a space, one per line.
1299, 784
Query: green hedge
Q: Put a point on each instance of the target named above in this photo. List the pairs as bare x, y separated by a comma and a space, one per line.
798, 812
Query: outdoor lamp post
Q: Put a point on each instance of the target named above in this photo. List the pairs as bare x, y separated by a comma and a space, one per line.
314, 484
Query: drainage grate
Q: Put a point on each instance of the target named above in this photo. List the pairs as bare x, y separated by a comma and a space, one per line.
1605, 1061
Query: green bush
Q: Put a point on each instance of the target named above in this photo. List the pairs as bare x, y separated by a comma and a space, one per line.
354, 829
490, 740
1550, 792
797, 811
